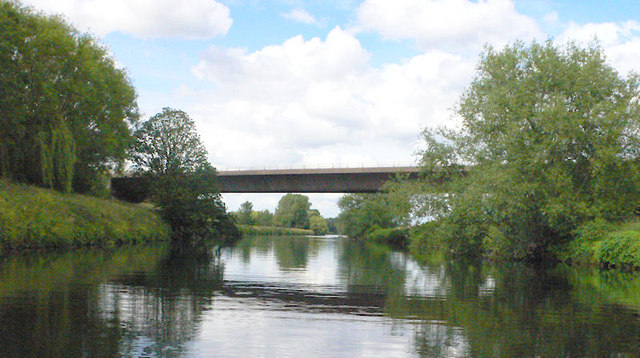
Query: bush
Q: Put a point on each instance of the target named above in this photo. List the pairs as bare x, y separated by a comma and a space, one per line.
620, 249
394, 237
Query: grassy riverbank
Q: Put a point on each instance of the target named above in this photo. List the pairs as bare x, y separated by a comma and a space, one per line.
32, 218
273, 230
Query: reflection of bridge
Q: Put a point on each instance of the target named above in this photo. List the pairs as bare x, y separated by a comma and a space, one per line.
333, 180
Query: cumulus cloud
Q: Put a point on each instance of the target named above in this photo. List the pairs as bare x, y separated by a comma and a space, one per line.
143, 18
621, 41
302, 16
450, 23
319, 101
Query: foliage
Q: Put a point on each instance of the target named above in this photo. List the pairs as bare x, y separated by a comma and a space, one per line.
183, 184
332, 225
262, 218
318, 224
65, 107
360, 212
620, 249
168, 144
244, 215
394, 237
549, 140
37, 218
292, 211
273, 230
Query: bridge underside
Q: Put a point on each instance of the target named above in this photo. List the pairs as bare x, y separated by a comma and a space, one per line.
359, 180
341, 180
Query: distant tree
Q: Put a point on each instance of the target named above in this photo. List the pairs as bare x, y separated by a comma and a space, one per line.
318, 224
332, 225
262, 218
292, 211
168, 150
65, 107
244, 215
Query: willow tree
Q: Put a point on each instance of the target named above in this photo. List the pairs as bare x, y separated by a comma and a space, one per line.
550, 138
65, 107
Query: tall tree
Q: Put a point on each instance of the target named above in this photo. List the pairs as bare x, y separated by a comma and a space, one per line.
245, 214
169, 152
550, 139
65, 107
292, 211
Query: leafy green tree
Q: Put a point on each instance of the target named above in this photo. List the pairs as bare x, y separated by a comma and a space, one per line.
292, 211
549, 140
245, 214
262, 218
183, 184
65, 107
362, 212
318, 224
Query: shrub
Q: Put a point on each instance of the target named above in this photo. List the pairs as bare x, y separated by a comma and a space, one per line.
394, 237
620, 249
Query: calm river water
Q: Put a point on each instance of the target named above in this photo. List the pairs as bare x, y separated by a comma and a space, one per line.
308, 297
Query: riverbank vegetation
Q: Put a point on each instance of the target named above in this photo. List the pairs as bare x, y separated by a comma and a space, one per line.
545, 163
293, 216
273, 230
34, 218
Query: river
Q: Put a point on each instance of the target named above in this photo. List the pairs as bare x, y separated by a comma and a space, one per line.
308, 297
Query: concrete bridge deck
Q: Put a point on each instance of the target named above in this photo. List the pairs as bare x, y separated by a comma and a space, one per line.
323, 180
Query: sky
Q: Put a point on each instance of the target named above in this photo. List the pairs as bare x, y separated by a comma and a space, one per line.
301, 83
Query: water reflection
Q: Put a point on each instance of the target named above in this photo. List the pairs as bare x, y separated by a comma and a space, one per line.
271, 296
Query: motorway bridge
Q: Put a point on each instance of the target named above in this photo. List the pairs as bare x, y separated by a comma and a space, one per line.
322, 180
329, 180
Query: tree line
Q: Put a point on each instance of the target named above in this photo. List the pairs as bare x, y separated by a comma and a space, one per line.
293, 211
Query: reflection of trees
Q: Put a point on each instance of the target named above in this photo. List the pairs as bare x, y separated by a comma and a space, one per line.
161, 309
482, 310
50, 304
291, 252
528, 312
70, 305
294, 252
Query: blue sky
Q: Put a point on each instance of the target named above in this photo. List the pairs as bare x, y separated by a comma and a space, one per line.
292, 83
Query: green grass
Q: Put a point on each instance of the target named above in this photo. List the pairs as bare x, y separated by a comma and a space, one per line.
32, 217
272, 230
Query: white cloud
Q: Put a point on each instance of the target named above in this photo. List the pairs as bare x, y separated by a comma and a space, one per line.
301, 15
321, 102
143, 18
447, 23
621, 41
